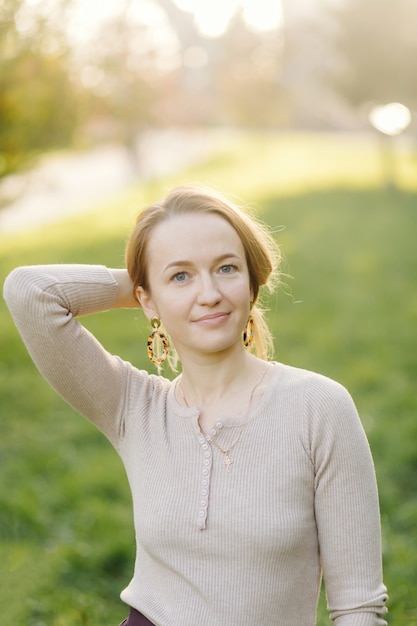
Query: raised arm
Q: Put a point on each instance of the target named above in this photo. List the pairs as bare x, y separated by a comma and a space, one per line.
125, 297
45, 302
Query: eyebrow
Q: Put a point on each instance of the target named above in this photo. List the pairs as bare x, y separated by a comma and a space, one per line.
186, 263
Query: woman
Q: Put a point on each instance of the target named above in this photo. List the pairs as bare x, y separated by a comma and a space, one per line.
249, 477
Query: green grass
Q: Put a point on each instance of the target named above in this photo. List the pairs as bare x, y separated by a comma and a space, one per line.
349, 311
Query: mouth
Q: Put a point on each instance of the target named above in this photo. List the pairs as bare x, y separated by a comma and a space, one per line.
213, 319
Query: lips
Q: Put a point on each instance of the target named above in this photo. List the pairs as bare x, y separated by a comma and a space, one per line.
212, 319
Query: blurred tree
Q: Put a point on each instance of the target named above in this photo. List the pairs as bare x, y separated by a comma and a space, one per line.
38, 102
122, 70
375, 61
191, 99
376, 51
233, 78
248, 77
307, 55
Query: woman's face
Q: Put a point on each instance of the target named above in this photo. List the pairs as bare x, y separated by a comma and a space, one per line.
199, 283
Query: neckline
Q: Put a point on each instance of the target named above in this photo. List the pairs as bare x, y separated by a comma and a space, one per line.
260, 399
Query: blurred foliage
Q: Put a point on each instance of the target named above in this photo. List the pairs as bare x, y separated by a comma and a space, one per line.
130, 73
38, 102
349, 311
120, 75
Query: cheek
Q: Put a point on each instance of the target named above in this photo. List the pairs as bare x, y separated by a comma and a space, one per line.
241, 291
173, 309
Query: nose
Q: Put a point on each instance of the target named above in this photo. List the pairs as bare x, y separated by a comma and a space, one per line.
209, 293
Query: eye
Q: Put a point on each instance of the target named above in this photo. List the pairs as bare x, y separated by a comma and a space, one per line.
228, 269
179, 277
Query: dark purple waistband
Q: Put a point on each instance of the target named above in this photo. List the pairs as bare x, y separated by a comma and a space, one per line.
136, 619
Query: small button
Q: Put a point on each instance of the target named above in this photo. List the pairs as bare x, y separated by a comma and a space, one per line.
201, 513
207, 455
213, 432
219, 424
204, 492
204, 482
205, 472
205, 446
202, 439
203, 502
206, 461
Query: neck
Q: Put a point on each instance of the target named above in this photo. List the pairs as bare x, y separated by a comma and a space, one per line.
206, 383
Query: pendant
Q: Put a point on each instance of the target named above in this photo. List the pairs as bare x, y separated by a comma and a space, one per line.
227, 461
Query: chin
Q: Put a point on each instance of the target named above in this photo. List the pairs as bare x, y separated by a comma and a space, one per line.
220, 347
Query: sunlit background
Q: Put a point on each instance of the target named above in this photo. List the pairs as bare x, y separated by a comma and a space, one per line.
75, 73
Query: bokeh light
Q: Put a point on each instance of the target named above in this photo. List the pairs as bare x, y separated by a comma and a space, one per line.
390, 119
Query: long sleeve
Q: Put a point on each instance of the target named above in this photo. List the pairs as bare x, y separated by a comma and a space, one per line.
44, 302
346, 508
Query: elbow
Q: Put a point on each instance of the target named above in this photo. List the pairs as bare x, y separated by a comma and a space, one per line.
16, 288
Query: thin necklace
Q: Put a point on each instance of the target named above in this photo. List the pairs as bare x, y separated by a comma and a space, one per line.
228, 461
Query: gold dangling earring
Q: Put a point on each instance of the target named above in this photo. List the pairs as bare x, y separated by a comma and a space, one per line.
155, 335
249, 333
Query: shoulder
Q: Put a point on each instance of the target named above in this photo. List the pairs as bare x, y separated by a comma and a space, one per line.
321, 400
330, 426
312, 384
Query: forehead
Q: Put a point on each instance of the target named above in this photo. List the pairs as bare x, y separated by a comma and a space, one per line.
189, 235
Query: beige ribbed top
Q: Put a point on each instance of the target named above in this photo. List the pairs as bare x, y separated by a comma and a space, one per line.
219, 548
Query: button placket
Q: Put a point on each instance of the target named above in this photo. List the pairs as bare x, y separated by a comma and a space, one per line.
205, 483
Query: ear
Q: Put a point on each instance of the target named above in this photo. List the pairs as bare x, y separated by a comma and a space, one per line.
145, 300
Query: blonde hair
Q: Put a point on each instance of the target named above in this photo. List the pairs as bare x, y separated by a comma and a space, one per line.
262, 253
